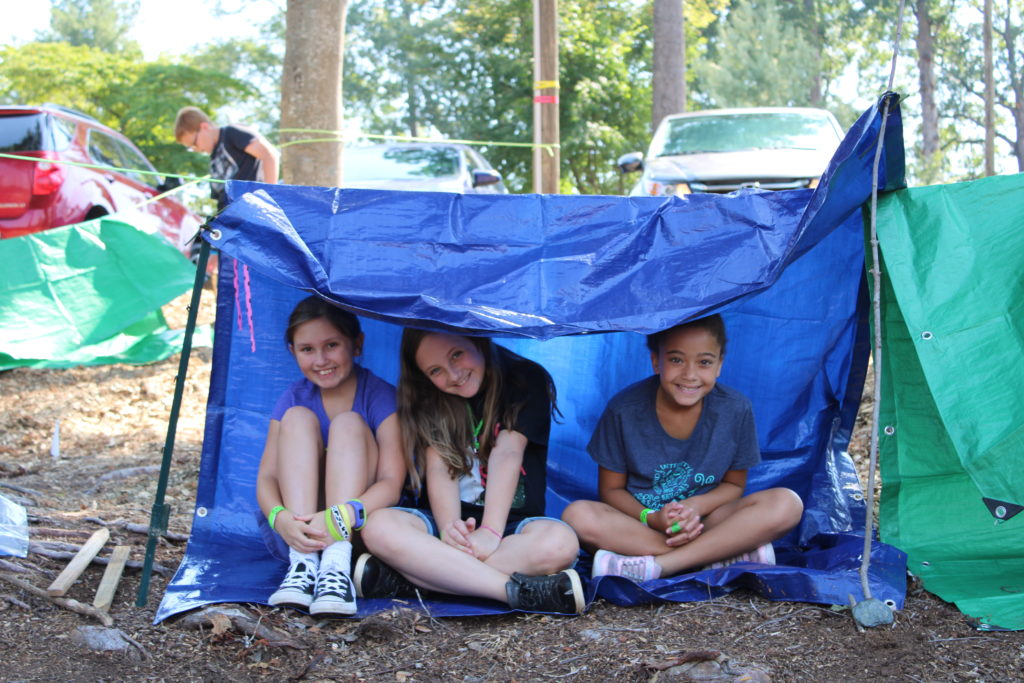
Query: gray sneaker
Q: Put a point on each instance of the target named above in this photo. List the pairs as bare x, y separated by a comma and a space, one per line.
560, 593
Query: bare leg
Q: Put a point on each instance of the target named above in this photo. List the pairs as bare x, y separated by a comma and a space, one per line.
401, 540
542, 547
351, 459
599, 525
299, 449
735, 528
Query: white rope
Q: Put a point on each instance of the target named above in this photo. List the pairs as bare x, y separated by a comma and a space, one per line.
876, 272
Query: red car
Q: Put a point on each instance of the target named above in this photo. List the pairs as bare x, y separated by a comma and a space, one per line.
38, 195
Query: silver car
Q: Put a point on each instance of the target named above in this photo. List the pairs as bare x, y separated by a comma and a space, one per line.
722, 150
429, 166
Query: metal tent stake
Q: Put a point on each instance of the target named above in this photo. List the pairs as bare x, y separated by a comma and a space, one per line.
161, 511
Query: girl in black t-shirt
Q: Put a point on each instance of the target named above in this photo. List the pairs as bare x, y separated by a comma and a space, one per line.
475, 420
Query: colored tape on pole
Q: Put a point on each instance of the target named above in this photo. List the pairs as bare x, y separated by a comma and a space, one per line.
546, 99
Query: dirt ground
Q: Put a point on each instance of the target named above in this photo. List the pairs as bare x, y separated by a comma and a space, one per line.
114, 418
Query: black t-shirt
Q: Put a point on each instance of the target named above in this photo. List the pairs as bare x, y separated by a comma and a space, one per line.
526, 383
230, 161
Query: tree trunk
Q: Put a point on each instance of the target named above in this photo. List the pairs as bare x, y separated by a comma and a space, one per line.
816, 96
926, 79
669, 96
990, 93
311, 90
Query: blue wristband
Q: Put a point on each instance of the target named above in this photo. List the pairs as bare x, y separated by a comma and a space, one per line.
360, 513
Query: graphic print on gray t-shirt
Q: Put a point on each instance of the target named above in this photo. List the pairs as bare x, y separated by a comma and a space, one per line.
659, 468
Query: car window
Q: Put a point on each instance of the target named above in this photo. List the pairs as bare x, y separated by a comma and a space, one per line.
63, 133
110, 151
735, 132
132, 158
399, 163
22, 133
103, 149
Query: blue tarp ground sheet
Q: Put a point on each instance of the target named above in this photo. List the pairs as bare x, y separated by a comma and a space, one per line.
546, 274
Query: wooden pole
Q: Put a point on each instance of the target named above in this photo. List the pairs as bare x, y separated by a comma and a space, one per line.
990, 94
546, 157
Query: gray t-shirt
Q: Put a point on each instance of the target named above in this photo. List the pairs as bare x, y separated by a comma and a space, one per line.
630, 439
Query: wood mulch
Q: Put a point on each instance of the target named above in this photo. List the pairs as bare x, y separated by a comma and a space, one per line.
112, 423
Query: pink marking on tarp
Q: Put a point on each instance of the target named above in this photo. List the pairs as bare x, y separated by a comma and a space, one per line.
248, 308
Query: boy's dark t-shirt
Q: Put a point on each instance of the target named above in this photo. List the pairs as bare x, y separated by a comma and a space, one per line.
660, 468
230, 161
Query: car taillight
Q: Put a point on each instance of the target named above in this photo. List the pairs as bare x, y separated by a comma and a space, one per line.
48, 175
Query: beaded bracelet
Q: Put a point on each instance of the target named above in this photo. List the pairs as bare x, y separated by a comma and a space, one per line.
272, 516
484, 526
360, 512
643, 515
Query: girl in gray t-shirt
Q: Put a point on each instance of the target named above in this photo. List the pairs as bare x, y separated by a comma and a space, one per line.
673, 452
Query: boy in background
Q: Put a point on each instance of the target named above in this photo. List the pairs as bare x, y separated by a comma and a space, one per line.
236, 152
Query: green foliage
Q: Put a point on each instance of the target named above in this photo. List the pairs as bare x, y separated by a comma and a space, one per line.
758, 59
465, 70
101, 24
138, 98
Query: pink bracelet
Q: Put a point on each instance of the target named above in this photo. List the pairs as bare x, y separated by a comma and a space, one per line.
484, 526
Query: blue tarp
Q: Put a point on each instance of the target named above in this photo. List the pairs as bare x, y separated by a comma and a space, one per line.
546, 273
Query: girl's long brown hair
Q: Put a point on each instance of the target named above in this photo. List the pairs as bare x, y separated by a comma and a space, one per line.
431, 417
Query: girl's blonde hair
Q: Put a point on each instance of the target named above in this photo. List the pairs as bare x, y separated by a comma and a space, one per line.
431, 417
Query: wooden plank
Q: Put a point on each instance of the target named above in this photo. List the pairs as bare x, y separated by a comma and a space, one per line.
111, 577
78, 563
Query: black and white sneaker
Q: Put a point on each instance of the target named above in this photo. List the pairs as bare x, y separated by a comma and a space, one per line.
374, 579
335, 594
560, 593
297, 587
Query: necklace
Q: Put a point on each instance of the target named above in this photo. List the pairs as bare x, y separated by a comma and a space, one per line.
476, 429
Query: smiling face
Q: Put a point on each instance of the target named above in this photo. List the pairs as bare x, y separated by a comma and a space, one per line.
452, 363
324, 354
689, 361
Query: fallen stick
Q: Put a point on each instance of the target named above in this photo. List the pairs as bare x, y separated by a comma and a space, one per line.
53, 531
21, 489
66, 603
242, 621
11, 567
14, 601
63, 555
126, 473
111, 577
78, 563
136, 528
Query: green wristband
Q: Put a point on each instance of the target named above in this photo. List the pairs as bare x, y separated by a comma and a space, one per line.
643, 516
272, 517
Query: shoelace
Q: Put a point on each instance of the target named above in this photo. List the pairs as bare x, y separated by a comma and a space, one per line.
634, 568
299, 577
335, 582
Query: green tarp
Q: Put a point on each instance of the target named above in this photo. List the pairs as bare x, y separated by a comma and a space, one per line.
951, 432
89, 294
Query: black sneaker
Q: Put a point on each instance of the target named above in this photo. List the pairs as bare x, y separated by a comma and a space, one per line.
560, 593
374, 579
296, 589
335, 595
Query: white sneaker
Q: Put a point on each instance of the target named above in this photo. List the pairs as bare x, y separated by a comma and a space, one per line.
639, 568
762, 555
335, 594
296, 589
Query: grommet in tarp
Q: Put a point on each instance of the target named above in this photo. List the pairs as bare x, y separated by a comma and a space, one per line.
201, 511
926, 335
889, 430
